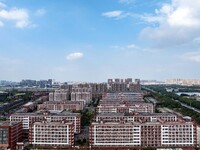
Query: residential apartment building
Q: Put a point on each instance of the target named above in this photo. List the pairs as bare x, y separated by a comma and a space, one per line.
126, 108
121, 85
135, 86
124, 103
114, 117
62, 105
123, 95
59, 95
153, 117
57, 134
114, 135
98, 89
146, 134
140, 117
10, 134
84, 93
29, 118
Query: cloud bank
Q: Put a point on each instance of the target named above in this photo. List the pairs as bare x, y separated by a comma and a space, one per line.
173, 24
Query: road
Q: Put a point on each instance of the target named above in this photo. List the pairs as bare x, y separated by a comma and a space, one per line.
187, 106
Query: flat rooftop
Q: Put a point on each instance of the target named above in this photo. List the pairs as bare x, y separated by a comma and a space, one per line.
64, 113
7, 123
155, 114
139, 114
114, 114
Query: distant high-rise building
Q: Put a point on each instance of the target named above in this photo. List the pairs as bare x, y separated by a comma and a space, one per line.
110, 81
83, 93
186, 82
128, 80
117, 80
28, 83
120, 85
59, 95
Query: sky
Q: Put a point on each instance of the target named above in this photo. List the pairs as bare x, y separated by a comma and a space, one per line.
93, 40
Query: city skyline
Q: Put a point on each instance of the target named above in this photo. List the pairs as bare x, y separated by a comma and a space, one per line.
91, 41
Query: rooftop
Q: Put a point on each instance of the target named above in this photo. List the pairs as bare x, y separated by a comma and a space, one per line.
47, 113
155, 114
53, 123
114, 114
7, 123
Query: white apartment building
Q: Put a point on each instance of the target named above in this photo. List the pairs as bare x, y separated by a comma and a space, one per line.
52, 134
136, 134
29, 118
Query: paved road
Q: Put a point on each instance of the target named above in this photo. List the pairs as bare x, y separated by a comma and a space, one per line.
187, 106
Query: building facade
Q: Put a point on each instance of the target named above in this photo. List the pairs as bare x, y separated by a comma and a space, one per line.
10, 134
29, 118
148, 134
126, 108
82, 93
141, 117
121, 85
59, 95
59, 134
62, 105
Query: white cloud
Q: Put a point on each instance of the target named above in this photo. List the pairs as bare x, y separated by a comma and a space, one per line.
111, 14
19, 16
40, 12
73, 56
117, 14
175, 23
177, 14
192, 56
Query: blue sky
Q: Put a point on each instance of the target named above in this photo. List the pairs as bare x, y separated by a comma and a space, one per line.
92, 40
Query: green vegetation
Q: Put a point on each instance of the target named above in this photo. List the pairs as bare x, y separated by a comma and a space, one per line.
14, 95
83, 142
149, 148
95, 101
166, 99
188, 101
87, 117
12, 100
